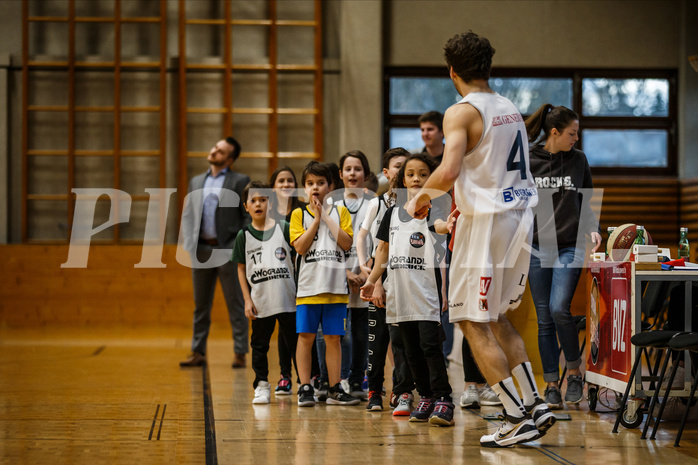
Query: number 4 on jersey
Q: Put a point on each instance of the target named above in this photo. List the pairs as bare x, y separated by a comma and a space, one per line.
517, 148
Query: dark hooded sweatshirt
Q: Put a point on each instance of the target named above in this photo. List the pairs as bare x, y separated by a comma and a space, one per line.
561, 174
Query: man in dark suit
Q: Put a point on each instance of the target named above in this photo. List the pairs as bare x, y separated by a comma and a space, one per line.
212, 217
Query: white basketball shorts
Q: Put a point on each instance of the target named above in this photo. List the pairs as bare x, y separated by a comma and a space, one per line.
489, 265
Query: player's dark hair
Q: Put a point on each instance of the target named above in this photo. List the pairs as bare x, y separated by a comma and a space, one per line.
360, 156
546, 118
235, 153
335, 180
392, 153
254, 186
433, 117
317, 169
470, 56
423, 157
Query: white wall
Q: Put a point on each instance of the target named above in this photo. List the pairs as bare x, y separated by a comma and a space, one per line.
558, 33
361, 63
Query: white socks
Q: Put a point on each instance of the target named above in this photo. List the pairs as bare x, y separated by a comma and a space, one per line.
506, 390
527, 383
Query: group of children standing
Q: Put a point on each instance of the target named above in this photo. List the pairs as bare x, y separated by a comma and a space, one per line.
309, 265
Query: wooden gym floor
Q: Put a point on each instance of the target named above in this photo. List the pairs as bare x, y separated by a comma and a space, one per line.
92, 396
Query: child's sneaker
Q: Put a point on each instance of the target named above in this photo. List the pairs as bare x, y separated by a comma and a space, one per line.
394, 398
305, 396
284, 388
315, 381
321, 391
262, 393
488, 396
345, 385
358, 392
404, 405
337, 396
470, 398
423, 410
512, 431
541, 415
375, 402
442, 414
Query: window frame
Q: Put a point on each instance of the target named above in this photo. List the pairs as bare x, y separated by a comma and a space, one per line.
668, 123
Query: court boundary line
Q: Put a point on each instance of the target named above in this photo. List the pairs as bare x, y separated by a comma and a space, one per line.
209, 420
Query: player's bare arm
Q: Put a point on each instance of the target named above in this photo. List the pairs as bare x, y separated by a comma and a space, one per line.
457, 119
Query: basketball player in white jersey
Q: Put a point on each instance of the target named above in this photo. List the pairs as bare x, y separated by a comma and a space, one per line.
486, 162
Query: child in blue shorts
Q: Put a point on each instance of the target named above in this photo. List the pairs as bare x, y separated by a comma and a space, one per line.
321, 233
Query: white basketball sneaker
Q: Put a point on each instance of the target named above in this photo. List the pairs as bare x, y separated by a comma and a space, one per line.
487, 396
543, 418
512, 431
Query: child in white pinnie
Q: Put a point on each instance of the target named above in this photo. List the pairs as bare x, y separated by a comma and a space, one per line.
265, 268
413, 249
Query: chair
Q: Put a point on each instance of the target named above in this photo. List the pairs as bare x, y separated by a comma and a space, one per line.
658, 340
680, 343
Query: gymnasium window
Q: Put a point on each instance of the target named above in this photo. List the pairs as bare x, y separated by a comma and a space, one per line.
627, 117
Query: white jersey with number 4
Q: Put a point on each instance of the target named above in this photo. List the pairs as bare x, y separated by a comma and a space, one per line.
495, 175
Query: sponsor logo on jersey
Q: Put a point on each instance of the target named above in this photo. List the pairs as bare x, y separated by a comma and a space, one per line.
507, 119
280, 253
485, 282
510, 194
407, 263
267, 274
483, 305
554, 182
417, 240
316, 255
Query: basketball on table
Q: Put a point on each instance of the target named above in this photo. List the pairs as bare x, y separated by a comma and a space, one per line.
620, 243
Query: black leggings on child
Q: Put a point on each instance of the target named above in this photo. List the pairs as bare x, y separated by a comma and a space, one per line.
262, 329
380, 335
424, 350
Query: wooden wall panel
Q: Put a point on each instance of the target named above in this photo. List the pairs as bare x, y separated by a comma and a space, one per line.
37, 291
650, 202
688, 212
